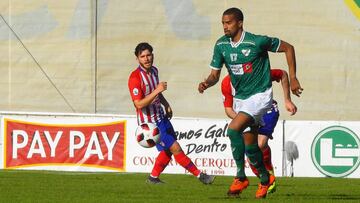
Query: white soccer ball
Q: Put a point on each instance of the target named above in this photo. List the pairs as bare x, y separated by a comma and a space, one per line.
147, 135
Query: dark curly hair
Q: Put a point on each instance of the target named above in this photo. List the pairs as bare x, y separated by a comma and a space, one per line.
141, 47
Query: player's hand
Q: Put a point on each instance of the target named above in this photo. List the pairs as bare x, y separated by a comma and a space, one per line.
290, 107
162, 86
169, 112
295, 87
203, 86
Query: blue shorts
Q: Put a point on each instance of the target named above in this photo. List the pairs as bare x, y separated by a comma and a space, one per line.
167, 133
270, 119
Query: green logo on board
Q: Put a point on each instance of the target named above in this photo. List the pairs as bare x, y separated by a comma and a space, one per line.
335, 151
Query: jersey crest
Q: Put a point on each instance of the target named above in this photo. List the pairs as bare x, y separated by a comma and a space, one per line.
246, 52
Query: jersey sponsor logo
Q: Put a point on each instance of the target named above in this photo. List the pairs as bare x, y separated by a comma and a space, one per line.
335, 151
135, 91
233, 57
237, 69
247, 67
240, 69
246, 52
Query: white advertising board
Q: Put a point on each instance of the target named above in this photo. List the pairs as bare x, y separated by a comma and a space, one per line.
205, 142
324, 148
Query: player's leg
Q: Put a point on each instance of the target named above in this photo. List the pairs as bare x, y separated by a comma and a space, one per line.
265, 133
266, 151
255, 156
162, 160
185, 161
164, 156
168, 141
177, 151
256, 106
234, 132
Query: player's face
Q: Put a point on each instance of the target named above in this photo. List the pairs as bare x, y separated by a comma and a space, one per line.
231, 25
145, 59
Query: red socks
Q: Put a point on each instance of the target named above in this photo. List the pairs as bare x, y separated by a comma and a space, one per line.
161, 162
185, 162
267, 158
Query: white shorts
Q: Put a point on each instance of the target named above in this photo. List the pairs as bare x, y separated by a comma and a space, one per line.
255, 106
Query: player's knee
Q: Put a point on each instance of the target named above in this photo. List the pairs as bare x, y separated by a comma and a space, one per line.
262, 141
175, 148
262, 145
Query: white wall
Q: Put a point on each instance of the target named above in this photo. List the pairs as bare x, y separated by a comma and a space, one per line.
89, 64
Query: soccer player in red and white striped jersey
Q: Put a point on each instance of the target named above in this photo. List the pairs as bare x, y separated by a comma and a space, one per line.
146, 93
142, 83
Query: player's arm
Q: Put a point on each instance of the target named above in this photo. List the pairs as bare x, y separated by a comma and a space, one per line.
165, 103
289, 105
291, 61
227, 97
141, 103
230, 112
211, 80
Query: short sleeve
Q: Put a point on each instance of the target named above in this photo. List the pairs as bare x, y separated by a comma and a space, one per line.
134, 85
269, 43
217, 59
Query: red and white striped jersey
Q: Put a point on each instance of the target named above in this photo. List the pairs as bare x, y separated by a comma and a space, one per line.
140, 85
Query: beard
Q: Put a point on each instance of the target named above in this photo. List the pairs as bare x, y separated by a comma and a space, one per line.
146, 65
229, 34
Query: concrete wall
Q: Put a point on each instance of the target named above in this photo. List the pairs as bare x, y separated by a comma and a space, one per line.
55, 58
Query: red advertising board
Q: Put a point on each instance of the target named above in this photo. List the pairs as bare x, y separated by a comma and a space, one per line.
29, 144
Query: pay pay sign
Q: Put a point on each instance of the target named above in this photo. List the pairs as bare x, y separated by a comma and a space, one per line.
29, 144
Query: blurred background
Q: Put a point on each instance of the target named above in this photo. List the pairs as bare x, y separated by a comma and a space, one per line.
75, 56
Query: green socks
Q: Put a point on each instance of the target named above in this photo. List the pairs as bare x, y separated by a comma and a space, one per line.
238, 149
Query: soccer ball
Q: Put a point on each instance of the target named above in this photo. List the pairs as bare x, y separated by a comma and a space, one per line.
147, 135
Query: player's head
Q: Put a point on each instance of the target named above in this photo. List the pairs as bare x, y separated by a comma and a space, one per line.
232, 21
144, 55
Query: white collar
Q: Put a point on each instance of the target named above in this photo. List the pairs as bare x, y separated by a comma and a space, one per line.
236, 44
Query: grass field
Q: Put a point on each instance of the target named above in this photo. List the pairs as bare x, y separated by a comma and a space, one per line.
47, 186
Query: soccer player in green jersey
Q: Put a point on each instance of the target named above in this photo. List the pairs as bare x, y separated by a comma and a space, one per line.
245, 56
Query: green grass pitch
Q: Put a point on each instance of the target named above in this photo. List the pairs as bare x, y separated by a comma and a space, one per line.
48, 186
